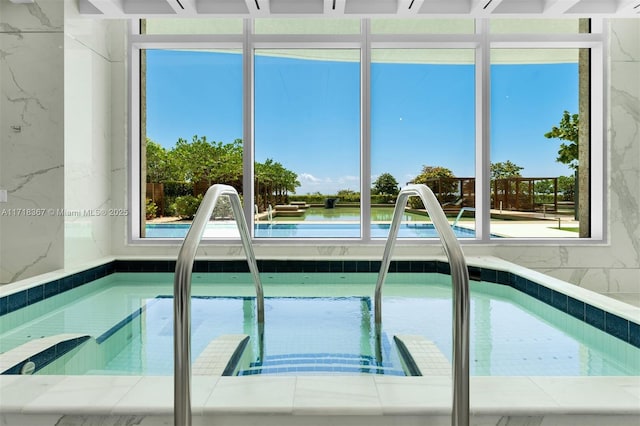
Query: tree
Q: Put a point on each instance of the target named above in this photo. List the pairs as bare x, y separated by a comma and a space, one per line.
385, 184
567, 131
504, 170
160, 165
273, 183
567, 187
442, 182
212, 162
196, 160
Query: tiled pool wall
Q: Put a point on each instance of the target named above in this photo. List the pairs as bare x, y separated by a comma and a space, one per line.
610, 323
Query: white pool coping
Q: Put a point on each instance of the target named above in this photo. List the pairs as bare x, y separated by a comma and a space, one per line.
319, 395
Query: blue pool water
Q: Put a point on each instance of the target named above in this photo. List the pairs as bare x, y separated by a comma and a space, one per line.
312, 316
308, 230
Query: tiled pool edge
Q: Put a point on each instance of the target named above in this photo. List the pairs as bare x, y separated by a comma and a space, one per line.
352, 400
624, 329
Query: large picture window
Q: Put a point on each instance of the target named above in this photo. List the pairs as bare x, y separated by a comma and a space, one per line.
422, 131
534, 143
191, 136
318, 135
307, 143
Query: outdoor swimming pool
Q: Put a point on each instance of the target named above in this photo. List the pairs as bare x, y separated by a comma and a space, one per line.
311, 316
343, 222
303, 230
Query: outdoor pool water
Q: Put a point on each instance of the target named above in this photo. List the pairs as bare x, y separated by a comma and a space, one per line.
303, 230
343, 222
384, 214
314, 322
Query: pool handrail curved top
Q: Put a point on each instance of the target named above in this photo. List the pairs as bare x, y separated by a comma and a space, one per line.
182, 292
460, 280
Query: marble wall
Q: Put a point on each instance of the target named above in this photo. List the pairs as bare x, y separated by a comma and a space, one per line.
31, 138
55, 138
88, 57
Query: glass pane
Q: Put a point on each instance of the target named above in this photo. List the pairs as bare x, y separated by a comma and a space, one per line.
533, 167
307, 143
423, 131
307, 26
191, 137
534, 26
422, 26
191, 26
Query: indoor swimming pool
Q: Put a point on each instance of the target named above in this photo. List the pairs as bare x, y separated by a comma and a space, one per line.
315, 323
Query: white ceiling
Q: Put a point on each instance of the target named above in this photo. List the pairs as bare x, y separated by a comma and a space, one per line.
360, 8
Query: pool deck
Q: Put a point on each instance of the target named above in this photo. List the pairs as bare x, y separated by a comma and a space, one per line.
318, 400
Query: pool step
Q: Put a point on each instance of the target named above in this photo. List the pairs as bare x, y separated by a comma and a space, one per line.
319, 363
40, 352
220, 356
422, 356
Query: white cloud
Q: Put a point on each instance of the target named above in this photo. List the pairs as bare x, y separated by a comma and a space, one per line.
310, 184
308, 177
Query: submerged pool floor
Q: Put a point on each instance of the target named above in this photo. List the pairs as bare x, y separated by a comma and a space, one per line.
314, 323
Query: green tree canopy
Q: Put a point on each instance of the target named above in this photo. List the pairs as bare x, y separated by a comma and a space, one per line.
432, 172
567, 187
274, 182
198, 160
567, 131
160, 165
385, 184
504, 170
201, 160
442, 182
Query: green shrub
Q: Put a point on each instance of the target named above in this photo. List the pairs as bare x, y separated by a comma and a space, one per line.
151, 209
383, 199
223, 209
187, 206
177, 189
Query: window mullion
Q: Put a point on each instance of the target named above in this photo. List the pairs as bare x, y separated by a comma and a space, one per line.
247, 125
365, 132
483, 132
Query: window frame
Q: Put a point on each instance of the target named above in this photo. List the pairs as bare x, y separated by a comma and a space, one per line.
482, 41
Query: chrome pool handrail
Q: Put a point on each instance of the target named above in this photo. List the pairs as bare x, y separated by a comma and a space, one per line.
461, 212
182, 293
460, 280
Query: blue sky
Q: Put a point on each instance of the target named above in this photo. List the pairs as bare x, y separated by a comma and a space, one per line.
307, 113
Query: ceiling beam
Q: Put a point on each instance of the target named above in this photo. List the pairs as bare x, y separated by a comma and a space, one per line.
184, 7
259, 8
629, 7
409, 7
558, 7
109, 7
334, 7
483, 7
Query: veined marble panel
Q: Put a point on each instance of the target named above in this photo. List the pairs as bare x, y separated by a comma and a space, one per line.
93, 34
31, 153
41, 15
624, 139
605, 280
87, 153
119, 132
623, 34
